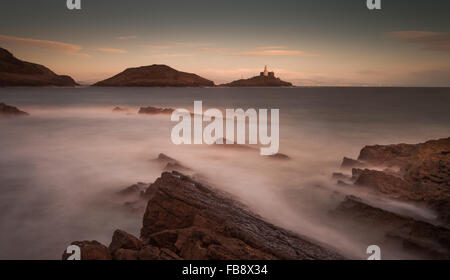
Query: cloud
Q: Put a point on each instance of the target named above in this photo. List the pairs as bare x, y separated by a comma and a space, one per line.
272, 52
215, 49
127, 37
109, 50
433, 41
271, 47
61, 47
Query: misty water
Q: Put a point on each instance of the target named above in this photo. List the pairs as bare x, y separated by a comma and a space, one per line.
61, 167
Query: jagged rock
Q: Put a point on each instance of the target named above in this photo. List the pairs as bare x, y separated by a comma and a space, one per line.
155, 110
351, 163
417, 173
197, 222
185, 219
123, 240
91, 250
340, 176
125, 254
135, 189
10, 111
426, 238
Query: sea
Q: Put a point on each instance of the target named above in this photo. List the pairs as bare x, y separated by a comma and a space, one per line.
62, 166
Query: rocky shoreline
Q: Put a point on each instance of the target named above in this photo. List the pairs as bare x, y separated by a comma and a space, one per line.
185, 218
417, 174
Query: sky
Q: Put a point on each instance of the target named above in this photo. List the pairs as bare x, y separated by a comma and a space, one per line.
310, 43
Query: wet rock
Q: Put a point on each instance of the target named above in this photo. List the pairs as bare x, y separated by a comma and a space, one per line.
10, 111
120, 110
430, 240
279, 156
186, 219
197, 222
135, 189
351, 163
155, 110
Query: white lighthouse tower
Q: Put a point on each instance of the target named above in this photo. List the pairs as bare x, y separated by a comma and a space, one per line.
266, 73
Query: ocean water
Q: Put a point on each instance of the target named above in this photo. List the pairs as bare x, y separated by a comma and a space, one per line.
61, 166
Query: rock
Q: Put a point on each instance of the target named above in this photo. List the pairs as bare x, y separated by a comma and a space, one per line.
125, 254
185, 219
135, 189
15, 72
340, 176
259, 81
91, 250
155, 110
123, 240
279, 156
155, 76
10, 111
430, 240
171, 164
197, 222
351, 163
120, 109
418, 173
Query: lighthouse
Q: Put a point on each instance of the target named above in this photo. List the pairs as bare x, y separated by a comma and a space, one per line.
267, 73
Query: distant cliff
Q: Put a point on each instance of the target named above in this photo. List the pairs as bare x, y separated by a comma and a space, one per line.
155, 76
15, 72
259, 81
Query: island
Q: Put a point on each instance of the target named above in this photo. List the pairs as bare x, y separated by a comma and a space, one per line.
156, 75
16, 73
265, 79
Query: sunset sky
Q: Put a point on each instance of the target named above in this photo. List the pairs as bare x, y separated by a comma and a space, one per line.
315, 42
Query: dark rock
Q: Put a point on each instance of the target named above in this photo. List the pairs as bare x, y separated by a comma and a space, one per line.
15, 72
155, 76
185, 219
426, 238
259, 81
120, 109
135, 189
91, 250
351, 163
10, 111
123, 240
125, 254
279, 156
155, 110
197, 222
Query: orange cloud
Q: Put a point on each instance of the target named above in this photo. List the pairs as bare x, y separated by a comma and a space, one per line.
44, 44
274, 53
433, 41
109, 50
271, 47
214, 49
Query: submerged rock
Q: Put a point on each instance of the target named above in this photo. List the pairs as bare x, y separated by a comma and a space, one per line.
417, 173
430, 240
155, 110
10, 111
